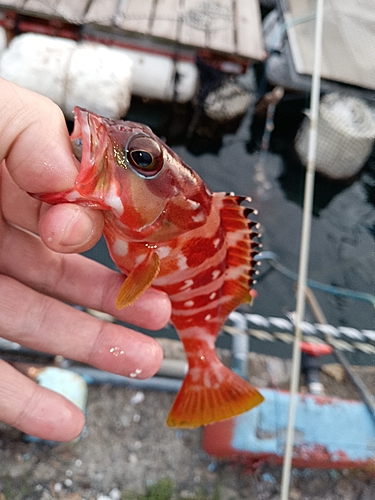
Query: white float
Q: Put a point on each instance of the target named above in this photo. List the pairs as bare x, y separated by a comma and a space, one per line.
3, 39
99, 79
70, 73
39, 63
160, 77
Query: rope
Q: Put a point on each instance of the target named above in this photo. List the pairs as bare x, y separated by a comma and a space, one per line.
334, 290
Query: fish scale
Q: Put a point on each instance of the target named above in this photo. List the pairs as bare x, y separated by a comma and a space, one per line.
165, 228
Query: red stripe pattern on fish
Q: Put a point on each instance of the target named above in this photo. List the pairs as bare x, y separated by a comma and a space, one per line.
165, 228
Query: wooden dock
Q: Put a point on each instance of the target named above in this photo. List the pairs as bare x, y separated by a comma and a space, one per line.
231, 28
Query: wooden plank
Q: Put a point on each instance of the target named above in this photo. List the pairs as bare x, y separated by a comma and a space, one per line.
69, 10
101, 13
165, 22
42, 8
194, 23
220, 35
249, 29
15, 4
347, 35
73, 10
136, 16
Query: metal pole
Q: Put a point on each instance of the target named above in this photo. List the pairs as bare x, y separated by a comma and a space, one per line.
304, 250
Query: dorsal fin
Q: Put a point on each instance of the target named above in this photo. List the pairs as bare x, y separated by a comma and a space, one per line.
243, 245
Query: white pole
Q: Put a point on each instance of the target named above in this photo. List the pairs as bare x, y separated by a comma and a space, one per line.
304, 251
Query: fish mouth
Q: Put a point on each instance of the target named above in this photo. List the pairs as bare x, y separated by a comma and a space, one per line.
89, 142
77, 149
80, 137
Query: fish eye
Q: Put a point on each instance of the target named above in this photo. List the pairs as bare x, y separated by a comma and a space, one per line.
144, 155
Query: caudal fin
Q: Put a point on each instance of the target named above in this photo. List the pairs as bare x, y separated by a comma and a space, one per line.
211, 395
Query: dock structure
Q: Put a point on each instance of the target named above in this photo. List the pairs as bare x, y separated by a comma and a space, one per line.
231, 29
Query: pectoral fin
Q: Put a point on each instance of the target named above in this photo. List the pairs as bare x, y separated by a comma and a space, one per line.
138, 280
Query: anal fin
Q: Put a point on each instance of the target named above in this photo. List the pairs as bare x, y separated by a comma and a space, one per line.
139, 279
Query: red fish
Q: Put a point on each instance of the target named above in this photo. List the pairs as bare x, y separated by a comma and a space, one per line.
165, 228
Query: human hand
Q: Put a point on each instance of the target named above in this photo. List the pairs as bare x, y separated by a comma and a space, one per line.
38, 275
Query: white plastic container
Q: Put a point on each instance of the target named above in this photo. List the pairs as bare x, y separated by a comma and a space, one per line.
346, 133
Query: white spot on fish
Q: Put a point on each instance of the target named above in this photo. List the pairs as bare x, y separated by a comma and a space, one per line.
188, 284
73, 196
216, 242
194, 204
182, 263
163, 251
140, 259
120, 247
199, 217
189, 303
207, 380
215, 274
195, 373
213, 295
114, 201
208, 317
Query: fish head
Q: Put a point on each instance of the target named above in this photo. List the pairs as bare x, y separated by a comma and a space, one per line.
129, 173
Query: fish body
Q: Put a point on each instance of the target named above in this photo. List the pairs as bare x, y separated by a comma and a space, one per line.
165, 228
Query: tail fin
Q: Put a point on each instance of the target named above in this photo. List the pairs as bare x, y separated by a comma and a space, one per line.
210, 395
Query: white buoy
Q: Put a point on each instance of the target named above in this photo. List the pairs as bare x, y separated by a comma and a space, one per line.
39, 63
99, 79
3, 39
160, 77
69, 73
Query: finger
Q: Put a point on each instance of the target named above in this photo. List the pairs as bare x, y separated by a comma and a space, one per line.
47, 325
35, 141
77, 280
36, 410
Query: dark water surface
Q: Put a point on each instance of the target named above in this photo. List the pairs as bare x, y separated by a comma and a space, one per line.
343, 227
